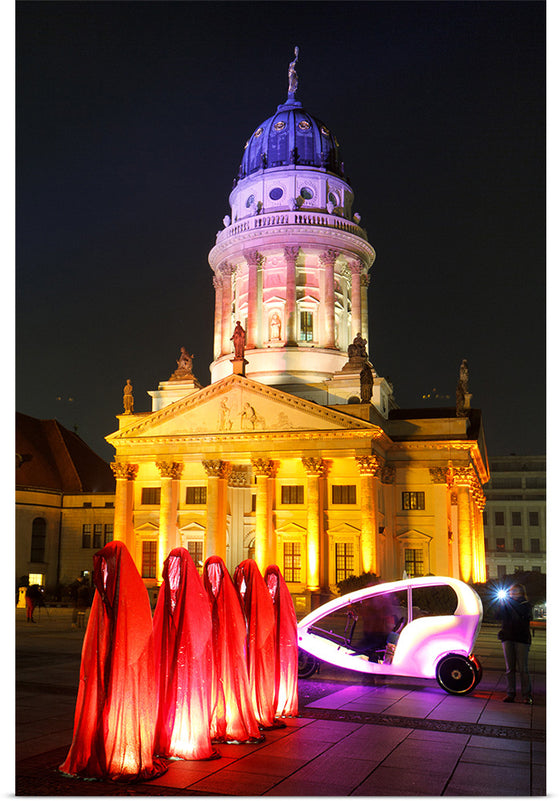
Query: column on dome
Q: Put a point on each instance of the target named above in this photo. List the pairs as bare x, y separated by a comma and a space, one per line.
218, 312
316, 558
356, 297
290, 323
227, 271
124, 503
328, 259
217, 472
370, 470
265, 550
170, 473
254, 302
364, 283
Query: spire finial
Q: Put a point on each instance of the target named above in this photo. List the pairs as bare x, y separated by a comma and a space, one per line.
292, 74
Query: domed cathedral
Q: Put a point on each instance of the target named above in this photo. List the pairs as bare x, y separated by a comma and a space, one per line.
296, 454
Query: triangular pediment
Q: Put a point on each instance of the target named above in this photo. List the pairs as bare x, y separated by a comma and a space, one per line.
239, 405
344, 528
291, 529
147, 528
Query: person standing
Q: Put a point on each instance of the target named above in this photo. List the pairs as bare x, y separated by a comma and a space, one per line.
515, 614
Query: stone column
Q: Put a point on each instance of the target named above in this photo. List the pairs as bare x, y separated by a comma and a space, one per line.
254, 261
364, 283
216, 506
462, 484
265, 550
290, 319
239, 501
356, 297
218, 313
328, 259
479, 502
226, 271
316, 557
170, 473
124, 503
370, 470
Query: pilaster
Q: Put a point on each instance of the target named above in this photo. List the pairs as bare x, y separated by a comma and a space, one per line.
316, 469
124, 502
170, 473
265, 552
217, 472
370, 468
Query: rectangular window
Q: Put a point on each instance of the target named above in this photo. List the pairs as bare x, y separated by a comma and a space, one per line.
344, 493
151, 496
344, 560
306, 326
536, 569
414, 562
533, 518
292, 561
97, 534
518, 545
516, 518
499, 519
196, 550
502, 571
86, 535
500, 544
292, 493
108, 532
413, 500
196, 496
87, 504
253, 503
149, 556
535, 545
109, 505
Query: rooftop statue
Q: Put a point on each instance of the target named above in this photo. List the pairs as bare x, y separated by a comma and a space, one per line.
128, 398
462, 394
292, 74
358, 347
238, 340
184, 366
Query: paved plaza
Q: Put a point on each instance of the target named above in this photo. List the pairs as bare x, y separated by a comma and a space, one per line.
356, 735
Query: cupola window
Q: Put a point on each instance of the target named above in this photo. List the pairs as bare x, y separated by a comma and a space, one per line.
306, 193
250, 200
304, 125
276, 193
280, 125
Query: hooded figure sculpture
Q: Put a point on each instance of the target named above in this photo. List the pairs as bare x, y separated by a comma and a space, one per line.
115, 715
259, 613
233, 719
183, 650
286, 672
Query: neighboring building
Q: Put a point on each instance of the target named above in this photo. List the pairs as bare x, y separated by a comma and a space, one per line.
296, 453
515, 516
64, 503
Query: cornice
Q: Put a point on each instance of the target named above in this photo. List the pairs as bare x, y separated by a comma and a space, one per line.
253, 436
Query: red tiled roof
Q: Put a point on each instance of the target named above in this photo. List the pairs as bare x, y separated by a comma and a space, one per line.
48, 456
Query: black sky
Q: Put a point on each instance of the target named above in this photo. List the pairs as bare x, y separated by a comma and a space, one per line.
131, 121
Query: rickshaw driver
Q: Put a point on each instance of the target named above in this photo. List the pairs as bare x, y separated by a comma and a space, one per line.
381, 615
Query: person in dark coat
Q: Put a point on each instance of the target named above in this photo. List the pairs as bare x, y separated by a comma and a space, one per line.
515, 614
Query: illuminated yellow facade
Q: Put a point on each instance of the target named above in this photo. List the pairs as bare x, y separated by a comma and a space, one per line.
296, 454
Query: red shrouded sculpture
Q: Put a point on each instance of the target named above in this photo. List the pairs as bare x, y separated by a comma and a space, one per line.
233, 719
115, 716
183, 650
261, 655
286, 667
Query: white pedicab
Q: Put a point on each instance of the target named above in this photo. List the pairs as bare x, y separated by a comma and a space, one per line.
423, 627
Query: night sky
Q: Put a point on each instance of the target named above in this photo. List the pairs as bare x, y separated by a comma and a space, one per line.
131, 121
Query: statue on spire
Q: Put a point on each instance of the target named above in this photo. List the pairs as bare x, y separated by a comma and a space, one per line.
292, 74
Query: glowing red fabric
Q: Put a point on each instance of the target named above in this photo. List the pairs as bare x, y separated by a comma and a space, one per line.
259, 613
286, 669
115, 715
183, 649
233, 718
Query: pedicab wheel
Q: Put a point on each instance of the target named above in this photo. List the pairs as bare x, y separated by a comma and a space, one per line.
307, 664
477, 668
456, 674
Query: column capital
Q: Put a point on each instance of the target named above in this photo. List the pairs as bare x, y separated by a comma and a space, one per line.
240, 476
369, 465
365, 279
170, 469
464, 476
124, 470
217, 281
438, 475
315, 466
216, 468
227, 269
388, 473
253, 257
329, 257
355, 266
291, 253
263, 467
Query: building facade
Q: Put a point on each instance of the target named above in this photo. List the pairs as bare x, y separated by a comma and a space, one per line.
296, 453
515, 516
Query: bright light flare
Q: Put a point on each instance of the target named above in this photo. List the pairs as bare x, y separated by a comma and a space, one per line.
502, 594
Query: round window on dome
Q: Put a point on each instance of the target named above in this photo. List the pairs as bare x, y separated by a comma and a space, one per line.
304, 125
333, 199
250, 200
325, 131
258, 132
280, 125
306, 193
276, 193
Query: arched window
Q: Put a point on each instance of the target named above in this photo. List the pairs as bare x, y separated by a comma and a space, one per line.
38, 539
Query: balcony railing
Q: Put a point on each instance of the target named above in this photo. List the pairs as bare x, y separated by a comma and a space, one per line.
290, 218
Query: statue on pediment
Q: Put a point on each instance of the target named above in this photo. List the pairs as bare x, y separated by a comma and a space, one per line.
358, 347
462, 394
238, 340
128, 398
184, 366
366, 383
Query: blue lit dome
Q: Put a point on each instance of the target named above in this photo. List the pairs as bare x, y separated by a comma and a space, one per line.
291, 137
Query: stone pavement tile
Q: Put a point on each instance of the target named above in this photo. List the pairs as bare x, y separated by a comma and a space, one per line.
414, 707
437, 737
33, 747
375, 705
399, 782
387, 691
341, 776
497, 743
337, 699
538, 780
296, 787
488, 755
232, 782
182, 773
295, 748
425, 756
326, 731
271, 765
497, 713
538, 753
474, 780
465, 708
370, 742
